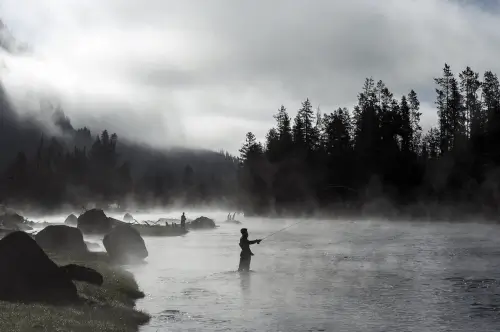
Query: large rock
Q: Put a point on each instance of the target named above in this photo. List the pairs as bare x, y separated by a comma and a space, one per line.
94, 222
82, 273
61, 238
28, 274
125, 244
128, 217
71, 220
14, 222
115, 222
202, 223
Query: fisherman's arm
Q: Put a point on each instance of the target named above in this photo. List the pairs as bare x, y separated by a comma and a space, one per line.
254, 241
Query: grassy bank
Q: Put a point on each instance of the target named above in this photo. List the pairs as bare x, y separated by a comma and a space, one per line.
106, 308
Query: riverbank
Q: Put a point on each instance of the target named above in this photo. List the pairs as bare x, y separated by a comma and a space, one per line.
109, 308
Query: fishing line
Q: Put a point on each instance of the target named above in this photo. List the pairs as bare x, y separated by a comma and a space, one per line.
284, 228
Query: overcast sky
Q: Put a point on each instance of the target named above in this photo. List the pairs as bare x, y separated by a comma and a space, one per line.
204, 72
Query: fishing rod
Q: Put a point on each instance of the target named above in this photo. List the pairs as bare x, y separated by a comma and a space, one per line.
284, 228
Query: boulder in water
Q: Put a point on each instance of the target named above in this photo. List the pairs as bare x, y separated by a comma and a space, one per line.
202, 223
71, 220
28, 274
94, 221
115, 222
61, 238
125, 244
128, 217
12, 221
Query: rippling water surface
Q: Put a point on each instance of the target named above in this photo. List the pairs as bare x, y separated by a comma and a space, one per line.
325, 276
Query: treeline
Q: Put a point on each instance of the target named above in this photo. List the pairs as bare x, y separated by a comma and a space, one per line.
377, 151
76, 168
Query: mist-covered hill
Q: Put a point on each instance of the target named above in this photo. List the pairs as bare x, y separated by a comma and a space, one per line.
45, 160
170, 176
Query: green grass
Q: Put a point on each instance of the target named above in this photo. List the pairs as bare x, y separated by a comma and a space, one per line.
106, 308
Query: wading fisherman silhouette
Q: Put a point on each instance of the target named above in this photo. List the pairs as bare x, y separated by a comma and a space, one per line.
246, 254
183, 220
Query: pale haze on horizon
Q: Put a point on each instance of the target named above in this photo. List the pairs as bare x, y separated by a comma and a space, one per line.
203, 73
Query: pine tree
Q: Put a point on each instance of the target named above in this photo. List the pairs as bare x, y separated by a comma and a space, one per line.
416, 129
432, 142
308, 130
367, 122
250, 149
469, 88
406, 126
284, 131
283, 123
450, 111
298, 132
336, 135
457, 116
273, 145
491, 108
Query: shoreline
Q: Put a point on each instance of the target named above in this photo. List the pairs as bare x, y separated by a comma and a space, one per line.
110, 307
384, 210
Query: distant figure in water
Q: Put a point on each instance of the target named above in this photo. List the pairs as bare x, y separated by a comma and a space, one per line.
246, 254
229, 216
234, 215
183, 220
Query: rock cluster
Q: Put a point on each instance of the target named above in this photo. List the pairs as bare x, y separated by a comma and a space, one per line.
202, 223
29, 275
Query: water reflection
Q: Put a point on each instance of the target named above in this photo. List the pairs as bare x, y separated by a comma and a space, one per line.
245, 282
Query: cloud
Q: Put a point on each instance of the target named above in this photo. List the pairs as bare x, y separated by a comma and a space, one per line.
203, 73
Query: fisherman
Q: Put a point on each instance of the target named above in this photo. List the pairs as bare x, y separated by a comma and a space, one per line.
246, 254
183, 221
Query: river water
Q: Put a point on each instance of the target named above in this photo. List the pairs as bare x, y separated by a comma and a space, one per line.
325, 276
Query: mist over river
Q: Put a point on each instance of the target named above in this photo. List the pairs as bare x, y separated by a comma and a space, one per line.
324, 276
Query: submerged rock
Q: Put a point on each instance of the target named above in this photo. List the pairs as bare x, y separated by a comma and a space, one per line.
94, 222
128, 217
28, 274
125, 244
71, 220
202, 223
61, 238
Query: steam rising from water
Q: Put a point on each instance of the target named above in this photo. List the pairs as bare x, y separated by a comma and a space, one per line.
323, 275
